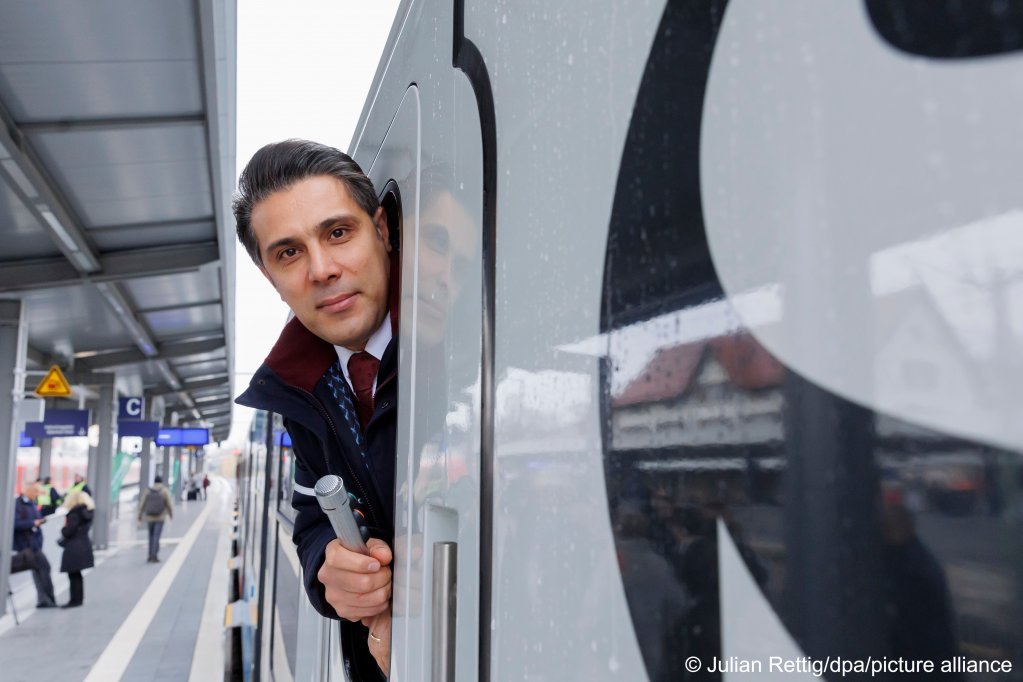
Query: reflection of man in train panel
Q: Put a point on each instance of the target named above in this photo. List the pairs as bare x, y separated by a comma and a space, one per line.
311, 221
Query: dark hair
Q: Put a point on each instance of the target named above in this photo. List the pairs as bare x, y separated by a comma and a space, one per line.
279, 165
157, 479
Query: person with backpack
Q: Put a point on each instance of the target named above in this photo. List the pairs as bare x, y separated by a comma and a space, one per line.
155, 506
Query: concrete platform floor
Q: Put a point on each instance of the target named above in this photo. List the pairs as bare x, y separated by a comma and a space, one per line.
140, 621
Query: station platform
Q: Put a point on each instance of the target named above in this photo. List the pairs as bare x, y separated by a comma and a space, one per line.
139, 620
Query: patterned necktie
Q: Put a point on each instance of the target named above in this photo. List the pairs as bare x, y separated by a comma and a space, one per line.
362, 369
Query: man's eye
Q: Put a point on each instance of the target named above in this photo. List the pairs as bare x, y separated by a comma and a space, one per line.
286, 253
338, 232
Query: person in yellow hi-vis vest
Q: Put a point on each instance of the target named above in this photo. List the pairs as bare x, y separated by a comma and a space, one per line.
79, 484
49, 498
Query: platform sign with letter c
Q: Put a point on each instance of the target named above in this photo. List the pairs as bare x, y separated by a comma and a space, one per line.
130, 408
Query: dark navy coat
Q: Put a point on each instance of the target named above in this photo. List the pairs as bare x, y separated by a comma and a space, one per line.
295, 382
77, 546
26, 534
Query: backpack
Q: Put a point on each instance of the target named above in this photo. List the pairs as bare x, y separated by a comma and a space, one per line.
154, 503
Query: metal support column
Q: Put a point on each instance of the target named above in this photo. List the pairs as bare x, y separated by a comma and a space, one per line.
146, 456
13, 345
91, 462
104, 464
169, 455
45, 449
167, 465
145, 477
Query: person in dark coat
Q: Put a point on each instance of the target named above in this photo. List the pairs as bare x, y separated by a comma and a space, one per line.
77, 545
311, 221
28, 538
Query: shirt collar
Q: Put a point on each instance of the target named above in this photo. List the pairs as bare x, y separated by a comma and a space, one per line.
376, 345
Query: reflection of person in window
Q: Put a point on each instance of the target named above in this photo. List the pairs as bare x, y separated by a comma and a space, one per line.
918, 598
311, 221
446, 247
447, 241
657, 600
697, 568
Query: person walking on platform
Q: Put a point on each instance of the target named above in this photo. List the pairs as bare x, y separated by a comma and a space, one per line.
76, 543
80, 484
155, 507
28, 538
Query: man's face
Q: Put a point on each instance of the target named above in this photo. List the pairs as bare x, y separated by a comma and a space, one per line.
31, 491
446, 249
326, 257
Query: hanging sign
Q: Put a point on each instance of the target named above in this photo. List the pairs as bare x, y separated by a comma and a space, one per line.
53, 385
60, 424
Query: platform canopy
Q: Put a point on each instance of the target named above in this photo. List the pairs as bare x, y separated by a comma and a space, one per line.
117, 150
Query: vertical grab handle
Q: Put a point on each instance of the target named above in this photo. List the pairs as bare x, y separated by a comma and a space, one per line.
445, 583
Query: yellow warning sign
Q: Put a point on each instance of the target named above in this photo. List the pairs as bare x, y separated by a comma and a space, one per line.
54, 385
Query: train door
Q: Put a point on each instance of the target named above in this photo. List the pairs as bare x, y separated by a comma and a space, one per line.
428, 169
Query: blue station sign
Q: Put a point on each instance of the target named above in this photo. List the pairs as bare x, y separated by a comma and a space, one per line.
138, 428
130, 408
176, 436
59, 424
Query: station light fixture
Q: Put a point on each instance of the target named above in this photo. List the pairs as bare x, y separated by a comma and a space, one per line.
123, 310
12, 169
59, 229
168, 375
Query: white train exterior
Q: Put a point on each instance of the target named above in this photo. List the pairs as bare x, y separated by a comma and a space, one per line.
709, 344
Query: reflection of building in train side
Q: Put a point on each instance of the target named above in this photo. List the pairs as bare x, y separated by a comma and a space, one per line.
717, 405
703, 393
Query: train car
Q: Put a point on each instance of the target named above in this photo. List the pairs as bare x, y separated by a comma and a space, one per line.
709, 344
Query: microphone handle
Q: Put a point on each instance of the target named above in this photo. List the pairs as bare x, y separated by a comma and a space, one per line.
343, 522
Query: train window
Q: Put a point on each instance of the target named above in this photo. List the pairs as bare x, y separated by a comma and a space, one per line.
286, 477
390, 200
845, 531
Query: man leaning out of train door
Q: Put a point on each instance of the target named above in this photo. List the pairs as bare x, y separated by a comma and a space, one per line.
311, 221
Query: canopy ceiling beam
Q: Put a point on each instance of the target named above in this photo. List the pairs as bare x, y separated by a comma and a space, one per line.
39, 193
164, 352
120, 265
111, 123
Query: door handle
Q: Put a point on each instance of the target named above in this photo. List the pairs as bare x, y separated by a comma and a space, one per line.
445, 584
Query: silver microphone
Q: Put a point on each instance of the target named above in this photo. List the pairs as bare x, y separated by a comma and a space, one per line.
333, 499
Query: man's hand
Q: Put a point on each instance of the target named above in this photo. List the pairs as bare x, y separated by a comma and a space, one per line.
357, 586
380, 639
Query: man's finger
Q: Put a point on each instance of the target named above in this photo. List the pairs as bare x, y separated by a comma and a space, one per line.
369, 600
337, 557
379, 550
353, 582
339, 600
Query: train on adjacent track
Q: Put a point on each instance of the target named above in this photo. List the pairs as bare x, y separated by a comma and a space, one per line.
709, 343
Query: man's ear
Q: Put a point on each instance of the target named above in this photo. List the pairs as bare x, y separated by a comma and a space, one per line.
380, 218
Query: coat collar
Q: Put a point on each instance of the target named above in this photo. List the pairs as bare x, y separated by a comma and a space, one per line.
300, 357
